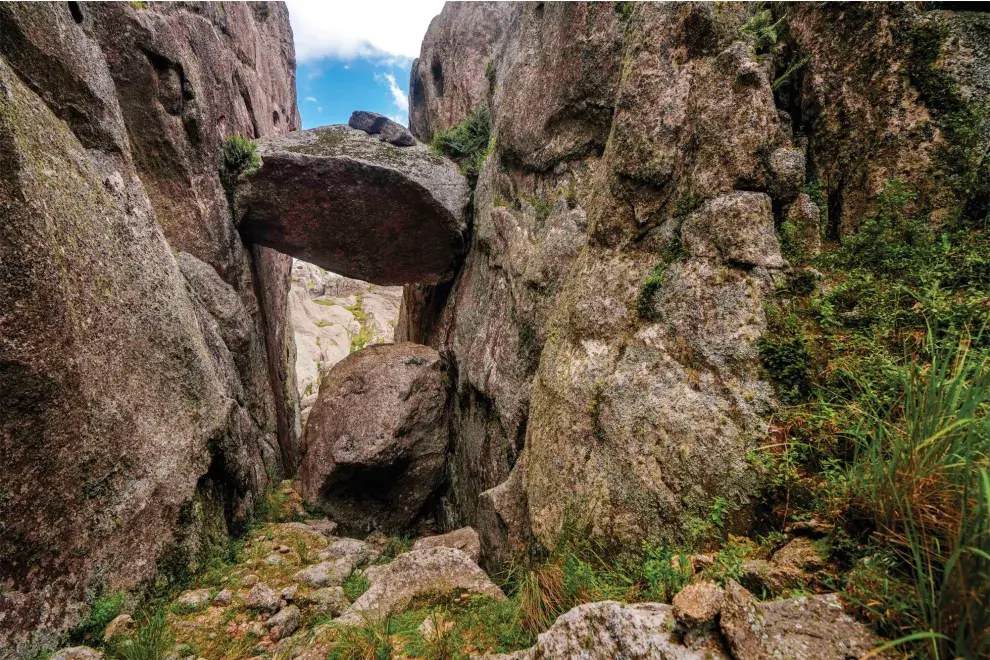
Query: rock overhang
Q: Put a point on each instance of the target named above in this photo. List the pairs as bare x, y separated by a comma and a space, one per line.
357, 205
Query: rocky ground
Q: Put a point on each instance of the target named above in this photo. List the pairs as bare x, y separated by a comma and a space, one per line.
295, 589
332, 316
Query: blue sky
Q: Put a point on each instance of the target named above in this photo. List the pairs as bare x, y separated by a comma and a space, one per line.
331, 88
356, 55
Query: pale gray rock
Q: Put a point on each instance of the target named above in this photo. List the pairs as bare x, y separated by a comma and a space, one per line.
353, 550
77, 653
736, 229
326, 573
376, 437
344, 200
803, 628
787, 168
284, 623
608, 630
330, 600
414, 573
194, 598
224, 598
263, 599
323, 526
464, 539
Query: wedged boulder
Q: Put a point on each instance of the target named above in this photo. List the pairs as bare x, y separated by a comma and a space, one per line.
345, 200
464, 539
376, 439
414, 573
390, 131
803, 628
607, 630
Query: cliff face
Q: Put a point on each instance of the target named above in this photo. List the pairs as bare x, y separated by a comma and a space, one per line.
646, 159
146, 361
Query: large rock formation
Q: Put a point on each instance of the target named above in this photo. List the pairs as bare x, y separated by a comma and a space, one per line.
345, 200
377, 437
144, 352
603, 327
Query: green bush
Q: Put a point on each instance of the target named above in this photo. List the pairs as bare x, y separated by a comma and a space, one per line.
240, 155
469, 143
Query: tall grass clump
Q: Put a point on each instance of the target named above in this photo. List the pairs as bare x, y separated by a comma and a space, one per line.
920, 475
468, 143
153, 642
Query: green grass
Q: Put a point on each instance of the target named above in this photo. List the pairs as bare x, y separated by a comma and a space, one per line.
920, 477
883, 369
355, 585
469, 143
103, 610
153, 642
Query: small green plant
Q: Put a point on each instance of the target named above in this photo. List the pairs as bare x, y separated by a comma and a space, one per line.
355, 586
393, 547
153, 642
240, 155
764, 30
137, 4
103, 610
469, 143
786, 356
324, 324
665, 570
647, 292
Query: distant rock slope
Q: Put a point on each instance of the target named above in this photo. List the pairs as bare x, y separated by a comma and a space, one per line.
146, 364
333, 316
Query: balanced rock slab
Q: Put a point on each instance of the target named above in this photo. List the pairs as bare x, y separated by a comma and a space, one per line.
345, 200
377, 436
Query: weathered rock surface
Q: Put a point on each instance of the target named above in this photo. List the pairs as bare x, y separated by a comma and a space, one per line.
263, 599
377, 436
698, 604
326, 573
330, 600
119, 385
803, 628
373, 123
78, 653
194, 598
607, 630
417, 572
331, 316
341, 199
120, 625
355, 551
464, 539
284, 623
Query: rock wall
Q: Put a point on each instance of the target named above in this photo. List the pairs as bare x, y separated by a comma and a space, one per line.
145, 356
603, 328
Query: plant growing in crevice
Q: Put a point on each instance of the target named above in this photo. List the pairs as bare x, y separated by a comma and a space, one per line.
468, 144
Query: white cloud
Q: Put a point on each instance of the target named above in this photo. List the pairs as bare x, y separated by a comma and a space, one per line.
380, 28
311, 99
399, 98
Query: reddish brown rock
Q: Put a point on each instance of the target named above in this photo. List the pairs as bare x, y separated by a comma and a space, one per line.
342, 199
377, 437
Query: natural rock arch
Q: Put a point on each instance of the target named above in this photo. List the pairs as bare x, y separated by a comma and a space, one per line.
357, 205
